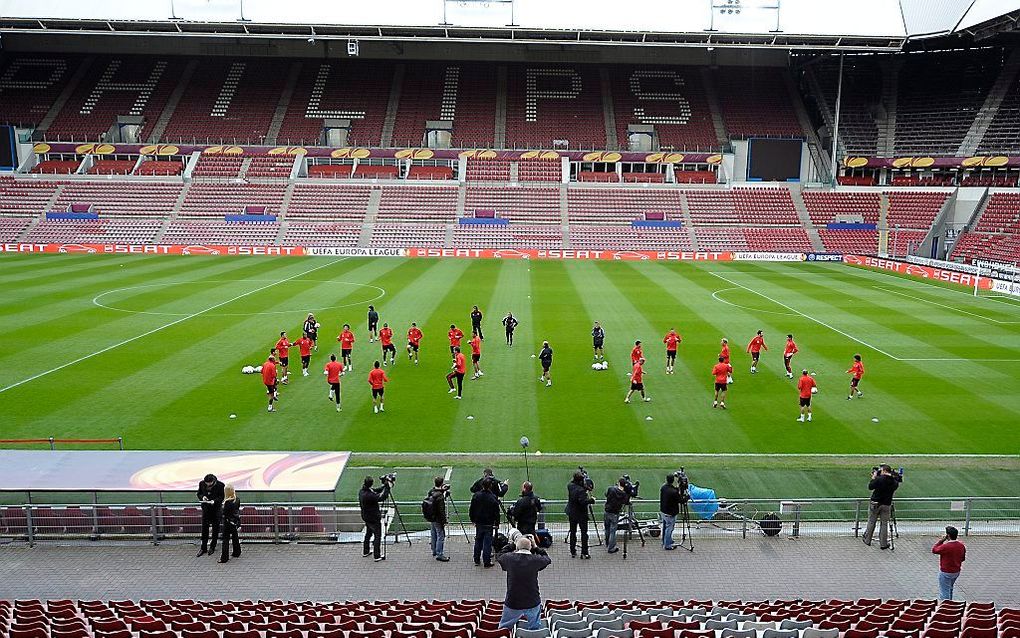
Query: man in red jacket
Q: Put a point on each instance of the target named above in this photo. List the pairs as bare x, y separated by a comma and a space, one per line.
951, 554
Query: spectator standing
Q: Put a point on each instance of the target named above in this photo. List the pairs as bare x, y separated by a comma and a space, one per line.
210, 496
231, 523
951, 553
882, 485
439, 519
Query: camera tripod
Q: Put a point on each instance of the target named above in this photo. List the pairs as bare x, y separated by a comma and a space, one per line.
627, 516
456, 513
686, 538
400, 521
894, 531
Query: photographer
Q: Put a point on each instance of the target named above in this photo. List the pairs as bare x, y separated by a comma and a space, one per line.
617, 497
578, 500
435, 513
669, 508
522, 560
369, 500
484, 513
524, 513
487, 473
882, 485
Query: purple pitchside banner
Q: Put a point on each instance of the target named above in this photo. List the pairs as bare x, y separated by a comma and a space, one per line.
168, 471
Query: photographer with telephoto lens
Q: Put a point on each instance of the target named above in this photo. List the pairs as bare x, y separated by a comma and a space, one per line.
617, 498
368, 501
484, 513
882, 485
502, 486
524, 513
434, 511
522, 559
669, 508
579, 499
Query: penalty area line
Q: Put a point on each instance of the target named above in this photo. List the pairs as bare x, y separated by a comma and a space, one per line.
164, 327
947, 307
808, 317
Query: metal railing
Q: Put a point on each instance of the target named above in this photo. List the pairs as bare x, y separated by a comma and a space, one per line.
341, 522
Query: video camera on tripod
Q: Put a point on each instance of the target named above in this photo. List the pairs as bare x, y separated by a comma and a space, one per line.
630, 487
683, 484
389, 479
588, 483
897, 473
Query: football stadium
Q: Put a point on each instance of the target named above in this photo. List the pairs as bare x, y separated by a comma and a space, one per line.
510, 319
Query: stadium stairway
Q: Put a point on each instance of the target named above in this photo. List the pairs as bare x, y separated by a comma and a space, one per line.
685, 210
171, 103
65, 95
393, 105
805, 220
890, 95
990, 108
281, 107
712, 97
499, 135
608, 111
371, 213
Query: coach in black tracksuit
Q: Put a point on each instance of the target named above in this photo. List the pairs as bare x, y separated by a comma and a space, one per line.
210, 495
476, 322
369, 500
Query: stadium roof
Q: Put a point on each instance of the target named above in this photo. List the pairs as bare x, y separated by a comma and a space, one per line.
793, 24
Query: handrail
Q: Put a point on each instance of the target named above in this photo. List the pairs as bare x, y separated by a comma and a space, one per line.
52, 441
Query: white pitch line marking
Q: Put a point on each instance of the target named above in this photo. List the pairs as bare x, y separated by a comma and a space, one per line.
163, 327
715, 295
942, 305
684, 454
810, 318
864, 274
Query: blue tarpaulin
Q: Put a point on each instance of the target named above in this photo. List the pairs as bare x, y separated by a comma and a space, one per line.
846, 226
703, 503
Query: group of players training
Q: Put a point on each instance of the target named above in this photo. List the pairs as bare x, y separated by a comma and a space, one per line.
275, 369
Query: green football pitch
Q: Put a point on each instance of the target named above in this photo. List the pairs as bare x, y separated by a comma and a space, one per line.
151, 348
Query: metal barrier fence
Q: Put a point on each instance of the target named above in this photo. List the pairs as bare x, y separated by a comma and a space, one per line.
341, 521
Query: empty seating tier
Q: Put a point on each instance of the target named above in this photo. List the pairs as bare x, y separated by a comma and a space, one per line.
12, 227
329, 202
270, 167
354, 90
321, 234
25, 195
218, 166
755, 205
395, 235
552, 105
513, 236
488, 170
519, 205
671, 99
112, 167
219, 200
229, 101
604, 237
149, 199
418, 204
756, 102
227, 233
31, 84
97, 231
618, 205
113, 86
825, 207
